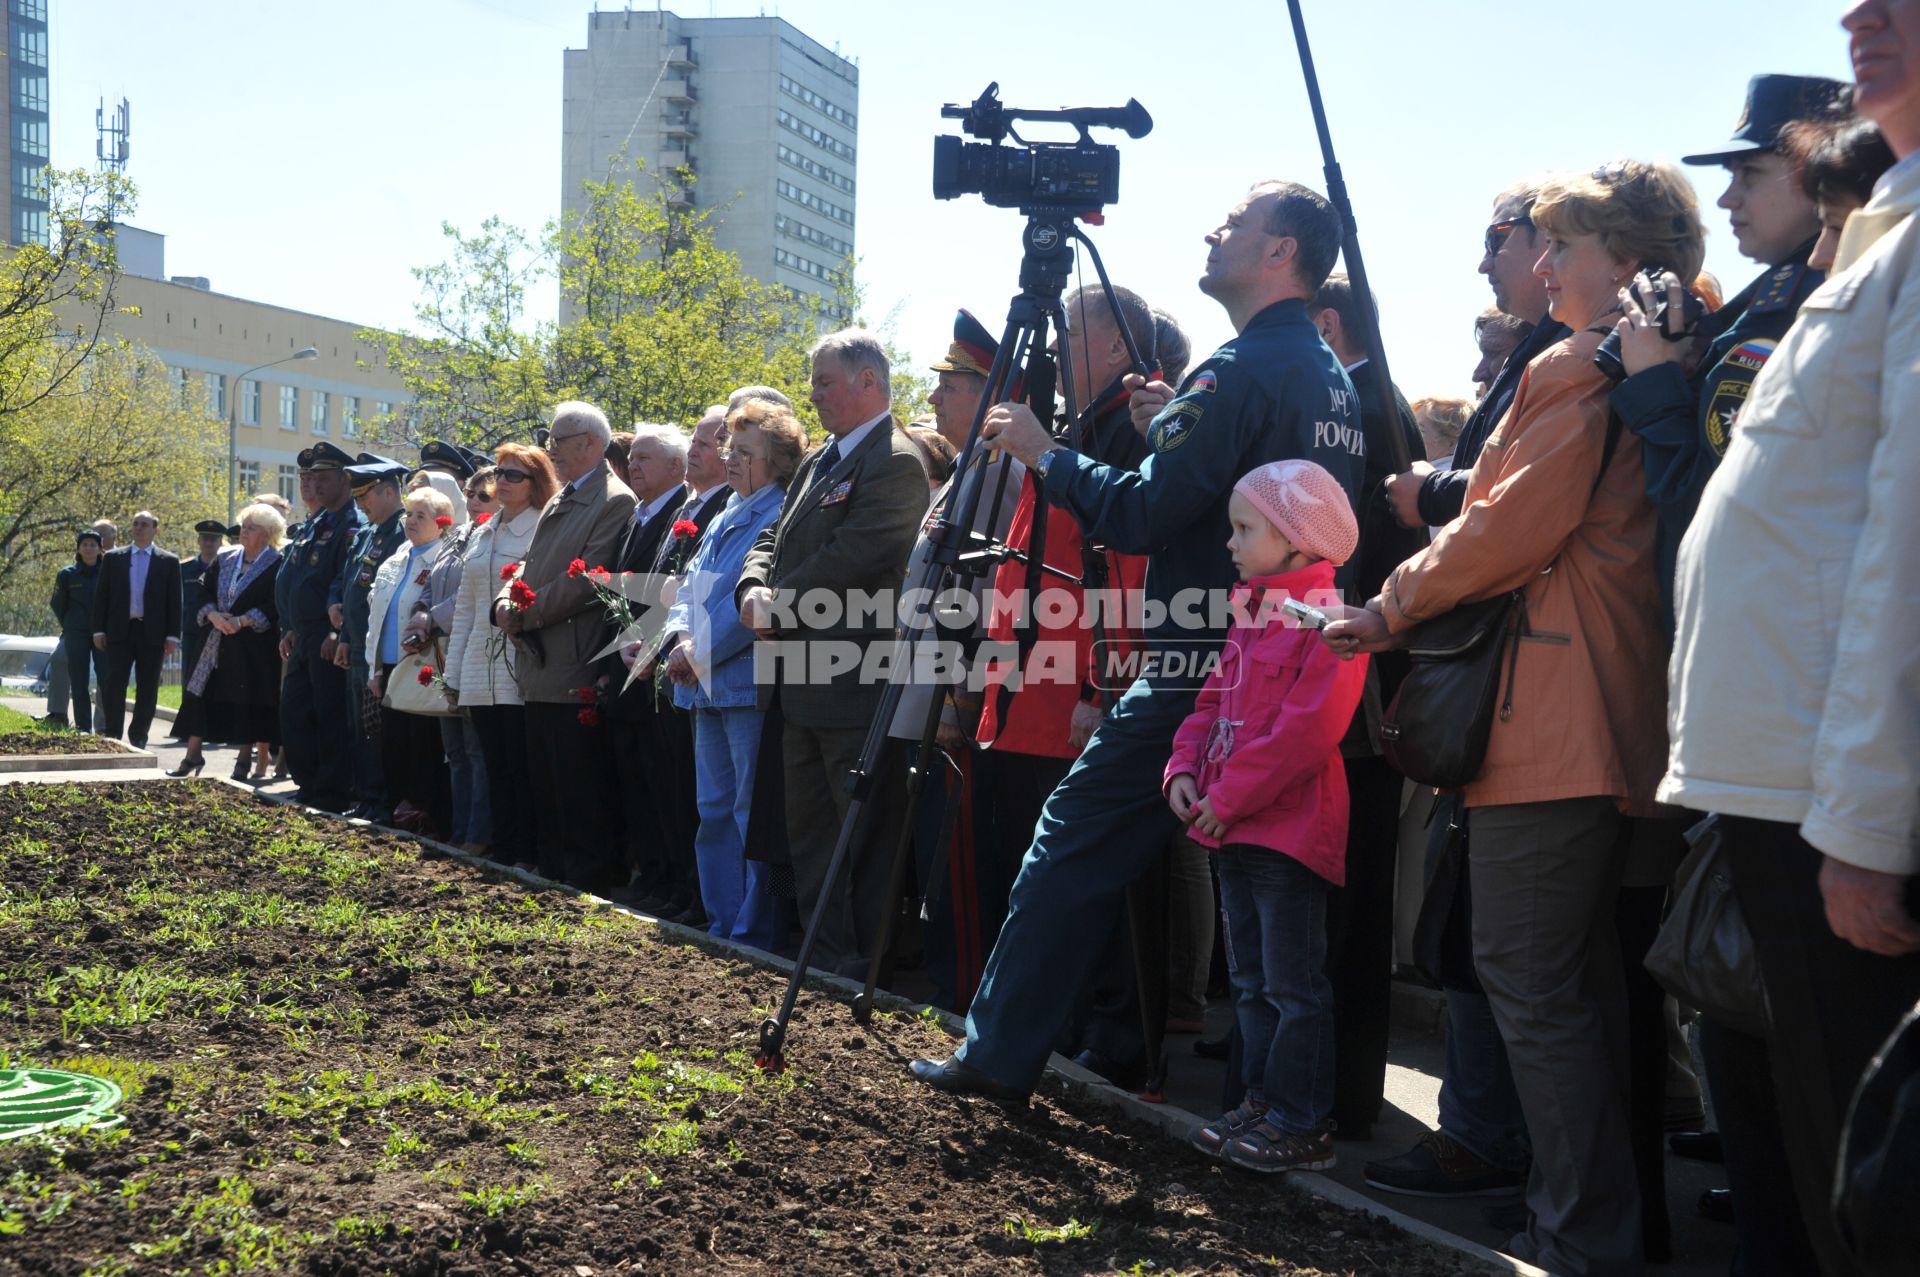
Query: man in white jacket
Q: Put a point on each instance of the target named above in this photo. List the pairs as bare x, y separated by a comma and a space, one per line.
1796, 675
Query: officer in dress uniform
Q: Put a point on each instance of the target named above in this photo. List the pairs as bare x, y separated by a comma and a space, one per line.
376, 490
195, 590
1272, 393
312, 722
1684, 419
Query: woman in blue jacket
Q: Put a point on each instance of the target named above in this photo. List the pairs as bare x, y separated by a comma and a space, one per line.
710, 662
72, 605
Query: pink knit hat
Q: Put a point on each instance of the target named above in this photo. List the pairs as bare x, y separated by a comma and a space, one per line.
1307, 504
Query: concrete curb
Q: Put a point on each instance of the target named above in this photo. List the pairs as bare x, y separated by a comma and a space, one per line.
1176, 1123
130, 760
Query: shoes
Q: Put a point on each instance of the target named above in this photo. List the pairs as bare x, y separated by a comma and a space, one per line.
1213, 1048
694, 915
51, 720
476, 848
956, 1077
1128, 1077
1697, 1146
1685, 1113
188, 767
1439, 1167
242, 770
1717, 1204
1269, 1150
1228, 1127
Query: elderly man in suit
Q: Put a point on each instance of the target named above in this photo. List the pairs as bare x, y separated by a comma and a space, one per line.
653, 739
558, 635
847, 525
136, 622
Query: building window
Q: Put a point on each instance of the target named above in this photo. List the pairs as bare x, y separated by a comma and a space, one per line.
794, 227
289, 481
382, 410
818, 103
317, 413
216, 395
814, 134
30, 136
34, 10
30, 46
177, 384
250, 402
29, 90
289, 408
248, 473
350, 416
813, 168
29, 225
807, 199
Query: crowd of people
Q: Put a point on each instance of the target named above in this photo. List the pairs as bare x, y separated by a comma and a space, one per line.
649, 663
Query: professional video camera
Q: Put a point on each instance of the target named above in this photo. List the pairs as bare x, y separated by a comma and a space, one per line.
1072, 177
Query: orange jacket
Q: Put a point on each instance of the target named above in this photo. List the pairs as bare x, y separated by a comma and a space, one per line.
1589, 683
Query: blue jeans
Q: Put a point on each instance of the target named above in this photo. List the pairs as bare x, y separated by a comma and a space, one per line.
733, 889
1276, 941
1104, 826
467, 776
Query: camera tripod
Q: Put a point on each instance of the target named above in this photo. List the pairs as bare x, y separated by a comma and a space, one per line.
960, 550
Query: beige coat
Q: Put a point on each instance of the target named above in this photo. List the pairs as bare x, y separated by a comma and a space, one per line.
481, 669
1796, 671
1589, 692
568, 622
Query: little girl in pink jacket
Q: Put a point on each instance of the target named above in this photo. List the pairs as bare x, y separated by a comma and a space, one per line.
1256, 774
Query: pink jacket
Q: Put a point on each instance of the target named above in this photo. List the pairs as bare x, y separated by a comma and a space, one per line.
1263, 741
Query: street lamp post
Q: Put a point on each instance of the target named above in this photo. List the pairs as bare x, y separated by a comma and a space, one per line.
233, 422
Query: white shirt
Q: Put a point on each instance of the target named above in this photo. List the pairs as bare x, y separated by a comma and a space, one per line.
642, 514
851, 440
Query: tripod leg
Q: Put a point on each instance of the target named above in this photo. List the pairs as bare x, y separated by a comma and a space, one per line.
773, 1031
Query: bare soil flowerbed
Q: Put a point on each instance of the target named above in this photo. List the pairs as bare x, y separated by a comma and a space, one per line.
346, 1055
55, 741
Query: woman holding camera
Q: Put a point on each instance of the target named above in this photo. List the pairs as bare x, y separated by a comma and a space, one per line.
1556, 508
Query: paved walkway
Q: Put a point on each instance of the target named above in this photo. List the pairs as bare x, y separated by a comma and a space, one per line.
1701, 1248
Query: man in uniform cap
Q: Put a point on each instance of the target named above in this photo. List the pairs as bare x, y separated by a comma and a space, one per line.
376, 484
1685, 420
313, 724
196, 589
438, 454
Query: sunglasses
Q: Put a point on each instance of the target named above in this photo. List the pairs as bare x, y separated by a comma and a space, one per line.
511, 476
1498, 232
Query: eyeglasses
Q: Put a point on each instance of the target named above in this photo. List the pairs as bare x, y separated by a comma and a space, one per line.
505, 475
1498, 232
737, 454
554, 441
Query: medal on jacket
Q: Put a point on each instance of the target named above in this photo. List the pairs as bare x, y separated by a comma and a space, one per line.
1220, 739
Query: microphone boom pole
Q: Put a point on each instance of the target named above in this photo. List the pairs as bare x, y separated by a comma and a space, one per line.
1350, 249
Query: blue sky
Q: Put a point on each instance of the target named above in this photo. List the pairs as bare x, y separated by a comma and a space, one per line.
307, 154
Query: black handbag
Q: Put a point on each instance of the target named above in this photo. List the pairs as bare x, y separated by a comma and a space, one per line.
1704, 954
1436, 731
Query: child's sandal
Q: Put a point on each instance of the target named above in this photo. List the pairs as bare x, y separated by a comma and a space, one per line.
1228, 1127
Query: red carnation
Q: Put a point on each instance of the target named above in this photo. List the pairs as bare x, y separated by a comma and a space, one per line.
599, 576
589, 717
425, 675
685, 528
483, 516
577, 567
442, 521
520, 594
506, 573
584, 693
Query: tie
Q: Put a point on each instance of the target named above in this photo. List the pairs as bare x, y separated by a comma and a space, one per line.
828, 460
137, 586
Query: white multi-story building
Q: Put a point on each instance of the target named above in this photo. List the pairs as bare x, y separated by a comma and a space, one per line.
764, 118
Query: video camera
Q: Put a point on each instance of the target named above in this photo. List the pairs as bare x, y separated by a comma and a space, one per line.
1075, 177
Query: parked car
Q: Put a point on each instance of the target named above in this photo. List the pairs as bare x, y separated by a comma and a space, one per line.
24, 663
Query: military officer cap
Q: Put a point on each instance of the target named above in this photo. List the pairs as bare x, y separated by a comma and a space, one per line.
211, 528
369, 469
446, 456
1773, 102
234, 532
478, 459
972, 350
323, 456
